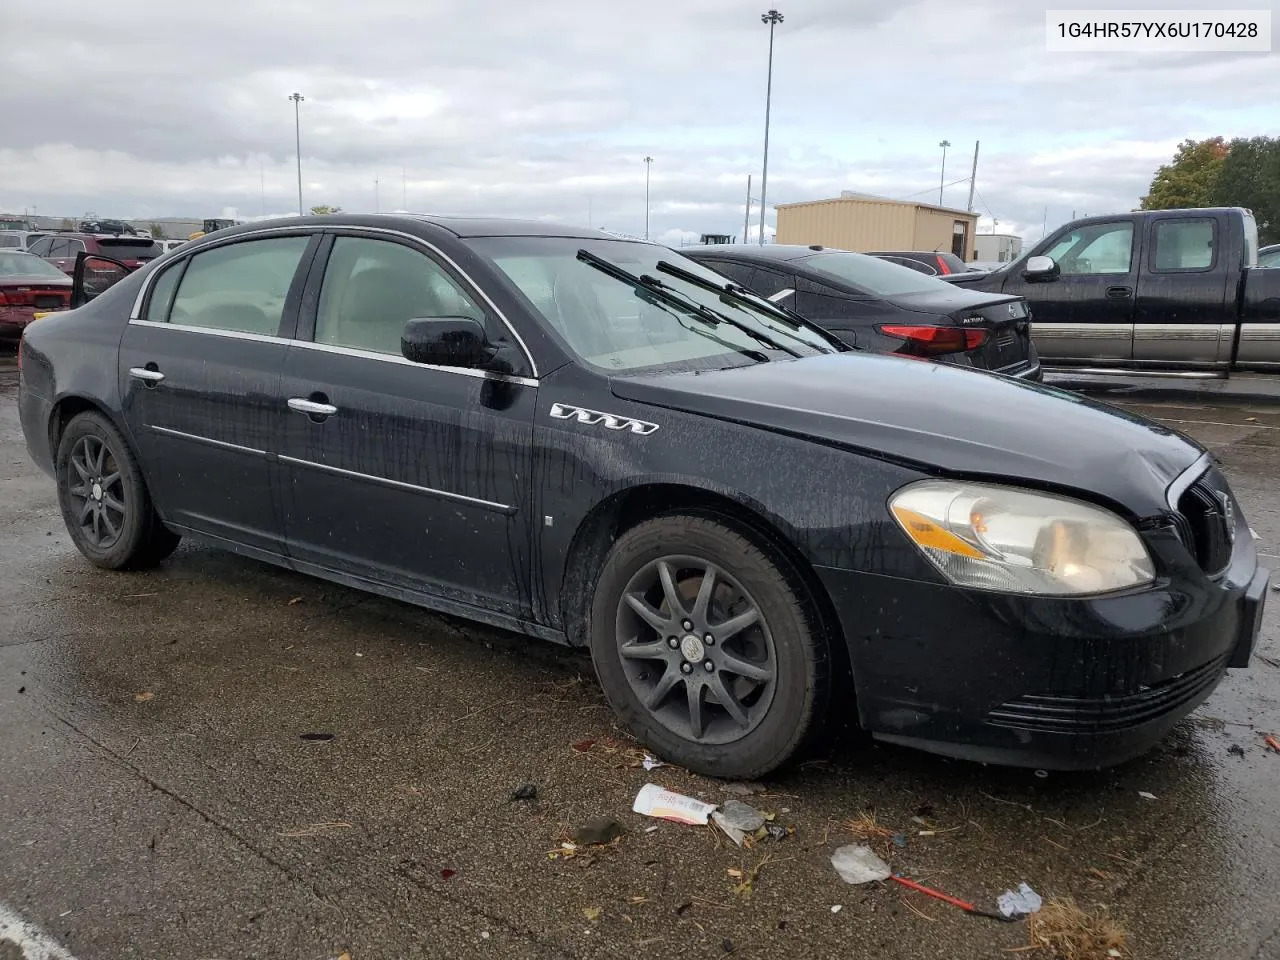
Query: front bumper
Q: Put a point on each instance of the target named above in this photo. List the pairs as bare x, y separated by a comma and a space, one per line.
1047, 683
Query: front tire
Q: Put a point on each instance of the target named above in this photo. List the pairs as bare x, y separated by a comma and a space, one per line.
104, 500
707, 649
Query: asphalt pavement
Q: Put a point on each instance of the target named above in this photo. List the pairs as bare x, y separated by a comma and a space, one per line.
219, 759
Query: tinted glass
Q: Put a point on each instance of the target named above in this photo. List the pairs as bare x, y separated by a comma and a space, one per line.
128, 248
611, 325
1183, 244
907, 262
10, 240
741, 273
41, 247
1101, 248
1269, 259
162, 292
240, 287
372, 288
871, 274
20, 264
59, 248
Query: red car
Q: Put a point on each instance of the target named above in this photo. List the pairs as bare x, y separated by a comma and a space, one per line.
60, 249
27, 285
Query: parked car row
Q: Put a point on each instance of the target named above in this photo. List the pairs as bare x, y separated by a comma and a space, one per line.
597, 441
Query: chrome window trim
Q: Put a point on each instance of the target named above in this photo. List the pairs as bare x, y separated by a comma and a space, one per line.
213, 331
135, 315
222, 444
1185, 479
399, 485
345, 351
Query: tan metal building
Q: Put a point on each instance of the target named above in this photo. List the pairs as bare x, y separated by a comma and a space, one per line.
863, 223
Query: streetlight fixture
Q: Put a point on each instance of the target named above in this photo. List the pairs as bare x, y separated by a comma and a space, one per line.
648, 162
772, 18
943, 179
297, 98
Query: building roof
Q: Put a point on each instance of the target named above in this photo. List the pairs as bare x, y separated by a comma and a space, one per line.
849, 196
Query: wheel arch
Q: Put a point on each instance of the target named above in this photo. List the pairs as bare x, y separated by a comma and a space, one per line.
621, 511
67, 408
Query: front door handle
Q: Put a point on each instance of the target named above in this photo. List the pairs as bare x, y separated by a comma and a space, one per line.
312, 408
1119, 293
146, 375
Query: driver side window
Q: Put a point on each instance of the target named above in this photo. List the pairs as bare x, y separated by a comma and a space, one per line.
372, 288
1101, 248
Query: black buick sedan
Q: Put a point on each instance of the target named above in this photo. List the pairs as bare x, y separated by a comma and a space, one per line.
599, 442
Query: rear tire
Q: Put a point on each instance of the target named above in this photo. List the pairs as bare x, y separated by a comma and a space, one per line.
104, 499
707, 649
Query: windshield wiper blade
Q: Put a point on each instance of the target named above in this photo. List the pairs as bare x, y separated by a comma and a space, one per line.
735, 291
655, 287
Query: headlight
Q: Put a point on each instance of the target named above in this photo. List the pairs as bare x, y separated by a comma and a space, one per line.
1016, 541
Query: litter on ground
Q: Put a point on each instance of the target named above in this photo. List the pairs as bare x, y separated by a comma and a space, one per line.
597, 832
654, 801
857, 863
1019, 903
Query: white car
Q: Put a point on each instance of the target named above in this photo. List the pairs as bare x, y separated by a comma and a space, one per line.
18, 240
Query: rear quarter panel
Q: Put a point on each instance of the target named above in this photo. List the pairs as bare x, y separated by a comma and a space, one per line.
75, 356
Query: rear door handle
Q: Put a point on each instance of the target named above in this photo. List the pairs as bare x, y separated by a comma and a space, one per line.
146, 375
1119, 293
312, 407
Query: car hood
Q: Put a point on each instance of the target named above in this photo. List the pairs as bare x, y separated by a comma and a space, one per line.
942, 418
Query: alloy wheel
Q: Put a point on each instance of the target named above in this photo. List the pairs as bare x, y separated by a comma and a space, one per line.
96, 487
696, 649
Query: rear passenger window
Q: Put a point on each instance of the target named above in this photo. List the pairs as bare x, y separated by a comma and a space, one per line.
239, 287
162, 292
1183, 244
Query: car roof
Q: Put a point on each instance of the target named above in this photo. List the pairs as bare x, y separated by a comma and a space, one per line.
459, 226
769, 252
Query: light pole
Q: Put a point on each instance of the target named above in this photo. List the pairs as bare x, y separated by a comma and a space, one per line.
943, 179
297, 98
376, 201
648, 162
772, 18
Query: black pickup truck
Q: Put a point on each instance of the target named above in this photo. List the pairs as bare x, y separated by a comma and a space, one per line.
1170, 291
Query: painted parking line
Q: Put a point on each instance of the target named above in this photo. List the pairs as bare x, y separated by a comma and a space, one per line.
33, 942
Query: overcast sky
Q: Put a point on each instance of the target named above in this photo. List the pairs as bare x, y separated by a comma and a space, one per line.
133, 108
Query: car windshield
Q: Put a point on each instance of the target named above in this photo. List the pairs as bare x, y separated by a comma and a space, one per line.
612, 325
871, 274
25, 265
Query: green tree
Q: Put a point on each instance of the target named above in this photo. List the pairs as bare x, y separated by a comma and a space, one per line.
1251, 178
324, 209
157, 231
1189, 179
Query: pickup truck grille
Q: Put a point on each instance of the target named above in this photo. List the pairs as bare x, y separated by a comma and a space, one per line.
1206, 524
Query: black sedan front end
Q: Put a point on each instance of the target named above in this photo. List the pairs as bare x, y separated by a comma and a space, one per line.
1063, 682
